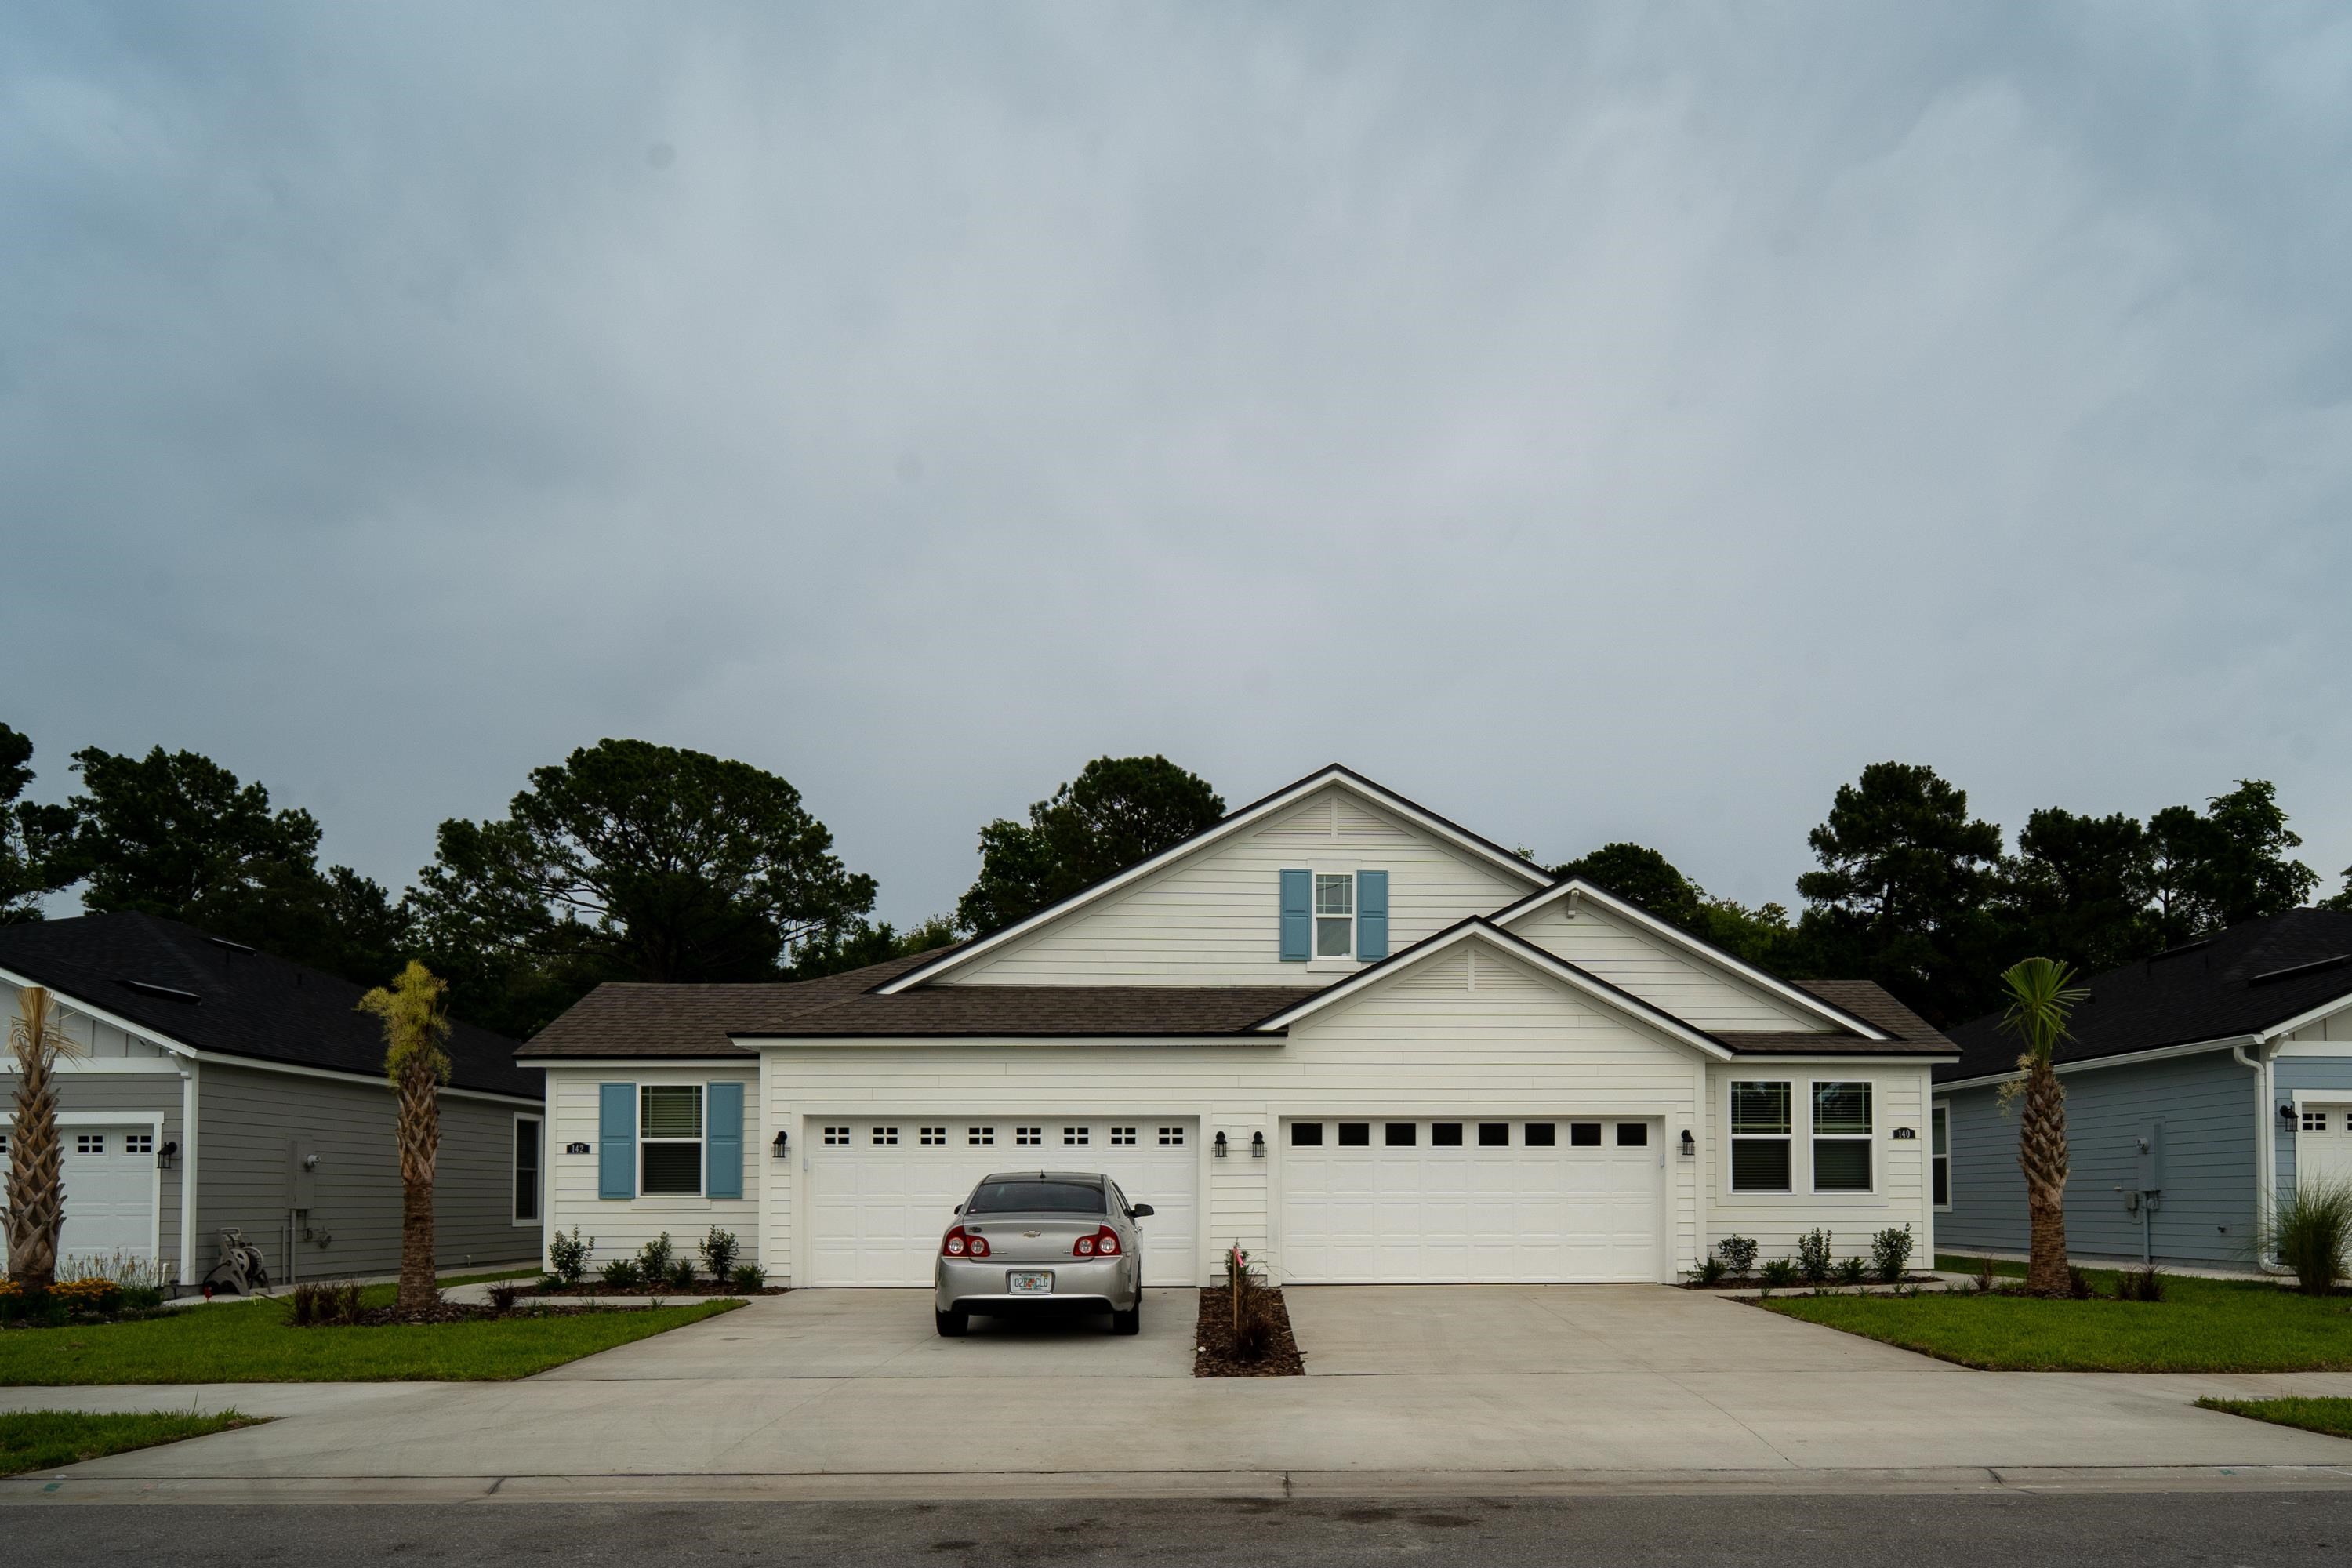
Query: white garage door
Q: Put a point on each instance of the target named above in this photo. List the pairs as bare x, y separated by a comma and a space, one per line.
1366, 1201
109, 1176
880, 1192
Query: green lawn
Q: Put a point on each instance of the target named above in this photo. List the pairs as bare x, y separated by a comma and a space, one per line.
44, 1439
2202, 1325
251, 1342
2332, 1416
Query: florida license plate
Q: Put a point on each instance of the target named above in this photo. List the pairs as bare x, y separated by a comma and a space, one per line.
1040, 1284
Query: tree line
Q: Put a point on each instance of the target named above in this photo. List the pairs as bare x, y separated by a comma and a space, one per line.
633, 862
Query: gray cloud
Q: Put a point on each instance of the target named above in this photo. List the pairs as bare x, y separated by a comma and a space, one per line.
1596, 424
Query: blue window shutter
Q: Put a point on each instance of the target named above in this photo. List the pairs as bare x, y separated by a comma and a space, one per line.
1372, 915
1297, 920
722, 1149
616, 1140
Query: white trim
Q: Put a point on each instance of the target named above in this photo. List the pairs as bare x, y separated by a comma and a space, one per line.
1577, 886
166, 1066
701, 1142
1247, 816
977, 1039
337, 1075
514, 1185
89, 1010
188, 1070
747, 1063
1939, 1107
1815, 1137
153, 1121
2126, 1059
1550, 964
2305, 1018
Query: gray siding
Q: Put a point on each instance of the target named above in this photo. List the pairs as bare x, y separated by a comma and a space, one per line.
247, 1118
138, 1094
2206, 1105
2325, 1074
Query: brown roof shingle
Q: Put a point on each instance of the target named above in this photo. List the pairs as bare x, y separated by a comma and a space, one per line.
622, 1019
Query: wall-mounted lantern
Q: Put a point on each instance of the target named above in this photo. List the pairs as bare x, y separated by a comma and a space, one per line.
1690, 1144
1258, 1145
782, 1145
168, 1154
1221, 1145
2287, 1113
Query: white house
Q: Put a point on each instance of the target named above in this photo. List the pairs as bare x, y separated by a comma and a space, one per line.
1362, 1042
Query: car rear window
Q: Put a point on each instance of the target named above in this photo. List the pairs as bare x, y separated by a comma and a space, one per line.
1036, 1197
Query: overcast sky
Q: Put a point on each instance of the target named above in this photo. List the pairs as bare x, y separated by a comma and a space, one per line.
1620, 422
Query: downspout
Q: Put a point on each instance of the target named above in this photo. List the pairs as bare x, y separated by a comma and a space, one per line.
2265, 1149
188, 1144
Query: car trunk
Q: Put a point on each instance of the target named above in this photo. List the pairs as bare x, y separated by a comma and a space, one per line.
1057, 1235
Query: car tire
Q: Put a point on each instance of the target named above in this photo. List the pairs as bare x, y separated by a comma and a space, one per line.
1129, 1321
951, 1325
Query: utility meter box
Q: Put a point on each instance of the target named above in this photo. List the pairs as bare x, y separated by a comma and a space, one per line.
301, 1174
2147, 1161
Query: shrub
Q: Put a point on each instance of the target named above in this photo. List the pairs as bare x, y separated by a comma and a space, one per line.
654, 1259
1780, 1273
2139, 1285
95, 1297
1710, 1270
1738, 1255
622, 1274
681, 1275
503, 1295
748, 1277
1813, 1256
2309, 1230
2078, 1284
1852, 1271
719, 1250
567, 1256
1984, 1277
1890, 1253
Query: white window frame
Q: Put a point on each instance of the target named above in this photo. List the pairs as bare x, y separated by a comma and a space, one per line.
1316, 917
702, 1131
514, 1176
1940, 1111
1733, 1139
1815, 1137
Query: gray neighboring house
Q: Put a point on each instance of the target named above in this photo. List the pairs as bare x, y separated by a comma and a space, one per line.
2192, 1075
214, 1074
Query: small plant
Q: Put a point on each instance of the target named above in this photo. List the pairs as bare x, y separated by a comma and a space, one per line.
2078, 1284
304, 1306
748, 1277
567, 1256
2139, 1285
719, 1250
1779, 1274
681, 1275
1852, 1271
2310, 1230
1890, 1253
1813, 1256
622, 1274
654, 1259
1738, 1255
1984, 1277
503, 1295
1710, 1270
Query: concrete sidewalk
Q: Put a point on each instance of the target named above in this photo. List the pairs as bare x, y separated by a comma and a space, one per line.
840, 1394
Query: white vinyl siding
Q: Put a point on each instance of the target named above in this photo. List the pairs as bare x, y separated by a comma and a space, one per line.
1899, 1100
1215, 918
1691, 989
620, 1227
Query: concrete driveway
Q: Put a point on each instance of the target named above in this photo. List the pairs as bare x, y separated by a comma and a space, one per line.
1433, 1388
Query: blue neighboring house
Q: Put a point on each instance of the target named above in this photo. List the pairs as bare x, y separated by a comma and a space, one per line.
2206, 1076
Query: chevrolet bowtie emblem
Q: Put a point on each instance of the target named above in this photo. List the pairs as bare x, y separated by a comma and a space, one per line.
1032, 1234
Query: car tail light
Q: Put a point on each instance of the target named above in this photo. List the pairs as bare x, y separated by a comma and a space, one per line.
1103, 1243
962, 1243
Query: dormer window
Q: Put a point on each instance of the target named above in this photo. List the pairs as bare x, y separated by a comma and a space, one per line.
1334, 915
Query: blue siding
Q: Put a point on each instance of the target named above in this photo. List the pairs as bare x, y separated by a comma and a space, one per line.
2324, 1074
2206, 1105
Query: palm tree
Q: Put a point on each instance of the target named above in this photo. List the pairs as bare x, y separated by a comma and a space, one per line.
415, 1024
37, 1178
2041, 995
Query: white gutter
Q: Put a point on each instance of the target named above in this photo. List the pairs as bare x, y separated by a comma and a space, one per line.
187, 1172
2127, 1058
2265, 1149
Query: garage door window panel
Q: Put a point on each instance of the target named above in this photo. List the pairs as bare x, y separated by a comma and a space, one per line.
1306, 1135
1355, 1135
1841, 1136
1761, 1130
669, 1140
1541, 1135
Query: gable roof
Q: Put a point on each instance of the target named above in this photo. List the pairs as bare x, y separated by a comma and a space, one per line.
1809, 998
2255, 978
224, 997
1257, 811
622, 1018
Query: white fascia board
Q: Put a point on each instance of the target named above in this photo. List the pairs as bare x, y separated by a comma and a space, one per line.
1248, 816
2303, 1019
1707, 951
91, 1010
2127, 1058
644, 1061
375, 1080
1027, 1042
1549, 964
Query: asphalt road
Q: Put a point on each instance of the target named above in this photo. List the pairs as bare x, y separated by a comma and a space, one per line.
2014, 1530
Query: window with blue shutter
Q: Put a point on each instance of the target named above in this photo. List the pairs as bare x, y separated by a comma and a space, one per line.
1297, 917
616, 1140
724, 1146
1371, 916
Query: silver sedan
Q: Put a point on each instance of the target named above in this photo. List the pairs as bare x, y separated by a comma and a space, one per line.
1042, 1241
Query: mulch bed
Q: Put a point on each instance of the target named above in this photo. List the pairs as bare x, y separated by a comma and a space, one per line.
1753, 1282
1214, 1355
598, 1288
